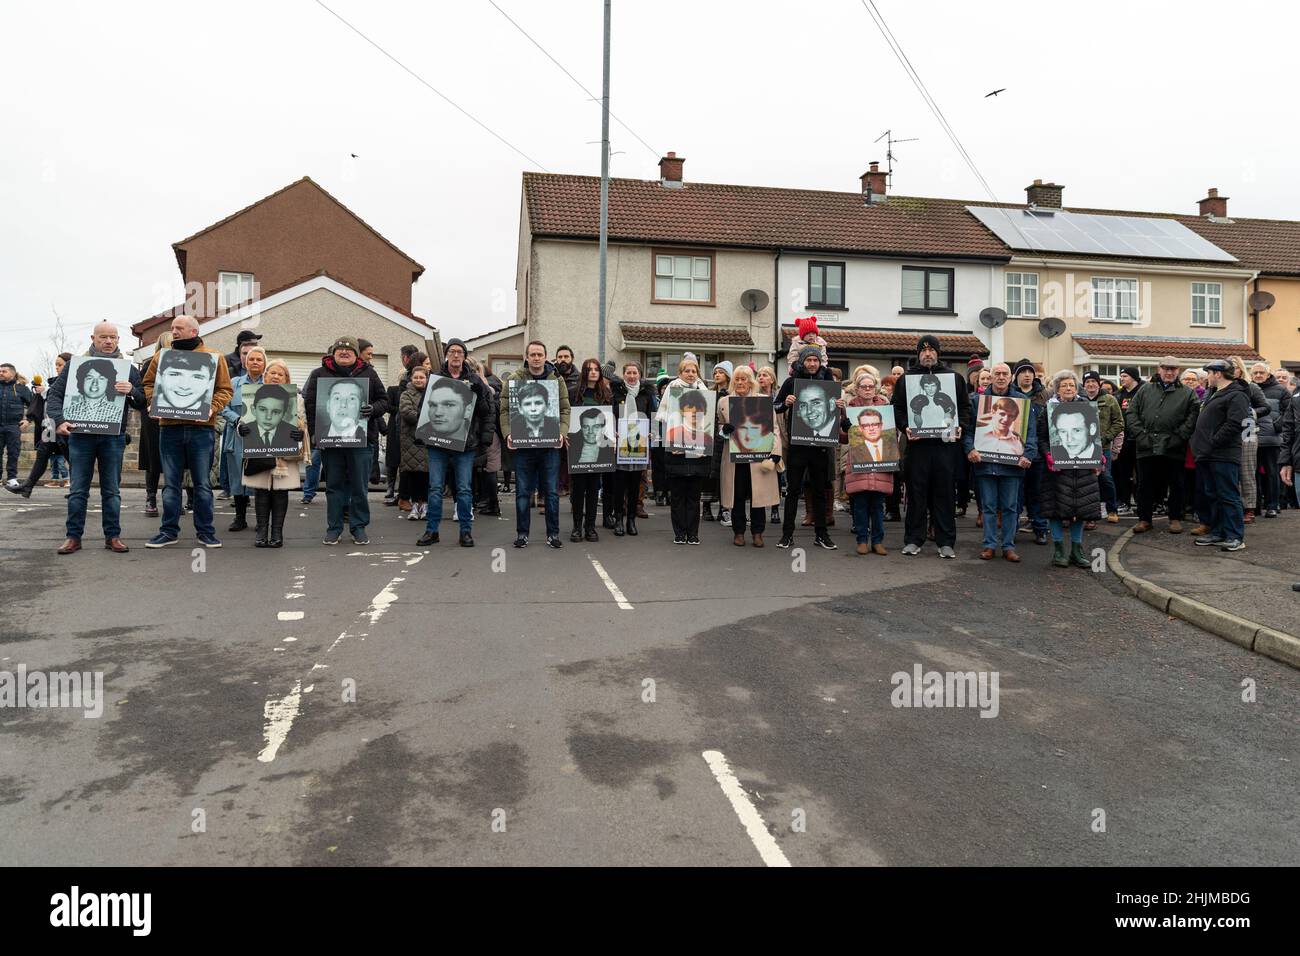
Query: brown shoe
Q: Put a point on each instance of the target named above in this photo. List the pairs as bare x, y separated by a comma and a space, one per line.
863, 548
738, 540
1175, 527
1201, 529
979, 520
71, 546
758, 540
1142, 527
986, 554
640, 512
1249, 517
115, 545
1011, 556
1090, 526
879, 549
1112, 518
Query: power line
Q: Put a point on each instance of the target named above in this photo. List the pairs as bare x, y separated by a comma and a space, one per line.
590, 94
444, 96
897, 49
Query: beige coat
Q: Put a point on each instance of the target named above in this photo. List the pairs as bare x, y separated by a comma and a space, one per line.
285, 475
762, 474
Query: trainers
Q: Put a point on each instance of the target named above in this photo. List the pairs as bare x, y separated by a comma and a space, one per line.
209, 541
679, 539
306, 499
785, 541
947, 552
360, 537
1208, 540
160, 540
692, 539
521, 541
555, 543
1236, 544
822, 541
332, 537
1112, 518
911, 549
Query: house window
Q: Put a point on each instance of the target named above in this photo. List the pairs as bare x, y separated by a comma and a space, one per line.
927, 290
1114, 300
683, 278
1022, 294
1207, 303
1111, 372
234, 288
668, 361
826, 285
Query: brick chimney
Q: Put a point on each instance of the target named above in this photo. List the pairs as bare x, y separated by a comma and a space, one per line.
873, 184
670, 169
1044, 195
1214, 205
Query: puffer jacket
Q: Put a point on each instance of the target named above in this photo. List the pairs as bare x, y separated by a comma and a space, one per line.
1160, 420
1270, 424
15, 399
414, 453
1219, 428
377, 396
1290, 453
1068, 493
881, 481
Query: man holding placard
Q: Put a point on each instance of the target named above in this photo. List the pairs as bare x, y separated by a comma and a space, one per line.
1002, 447
98, 444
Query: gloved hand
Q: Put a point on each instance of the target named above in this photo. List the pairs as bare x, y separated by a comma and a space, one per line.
244, 430
366, 409
727, 429
296, 434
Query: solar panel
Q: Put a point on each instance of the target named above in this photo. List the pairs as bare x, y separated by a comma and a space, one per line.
1085, 233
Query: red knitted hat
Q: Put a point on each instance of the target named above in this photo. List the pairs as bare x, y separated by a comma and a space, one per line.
806, 326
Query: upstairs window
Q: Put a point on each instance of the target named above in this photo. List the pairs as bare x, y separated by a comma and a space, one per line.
1207, 303
927, 290
233, 288
683, 278
1114, 300
826, 285
1022, 294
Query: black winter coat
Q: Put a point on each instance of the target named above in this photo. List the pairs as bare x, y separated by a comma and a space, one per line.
1219, 428
1071, 493
484, 422
1270, 423
377, 396
1290, 453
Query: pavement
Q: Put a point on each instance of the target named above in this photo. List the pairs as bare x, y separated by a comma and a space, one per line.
397, 705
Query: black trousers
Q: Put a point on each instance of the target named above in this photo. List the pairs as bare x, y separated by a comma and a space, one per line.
1122, 472
1269, 480
685, 492
742, 490
584, 494
627, 491
806, 465
929, 469
45, 450
1157, 476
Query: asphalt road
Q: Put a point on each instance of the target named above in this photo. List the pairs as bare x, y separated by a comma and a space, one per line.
507, 710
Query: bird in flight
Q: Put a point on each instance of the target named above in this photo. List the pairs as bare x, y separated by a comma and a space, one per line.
354, 155
995, 92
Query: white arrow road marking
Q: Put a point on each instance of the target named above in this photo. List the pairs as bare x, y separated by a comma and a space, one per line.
609, 583
754, 826
280, 714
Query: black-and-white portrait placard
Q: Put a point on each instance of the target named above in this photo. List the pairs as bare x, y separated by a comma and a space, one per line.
90, 400
1073, 433
814, 419
183, 384
753, 430
591, 439
534, 413
339, 422
931, 403
446, 413
271, 413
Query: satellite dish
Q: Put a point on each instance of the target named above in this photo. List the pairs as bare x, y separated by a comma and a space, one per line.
753, 300
1261, 301
993, 317
1050, 328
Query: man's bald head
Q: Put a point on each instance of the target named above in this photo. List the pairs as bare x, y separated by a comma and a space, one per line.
184, 327
104, 337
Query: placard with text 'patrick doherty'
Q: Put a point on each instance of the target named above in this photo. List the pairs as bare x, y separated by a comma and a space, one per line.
591, 439
183, 384
534, 412
90, 400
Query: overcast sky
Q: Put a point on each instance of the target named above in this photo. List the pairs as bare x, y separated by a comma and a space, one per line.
130, 126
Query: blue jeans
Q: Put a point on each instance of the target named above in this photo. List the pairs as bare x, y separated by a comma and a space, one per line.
58, 468
999, 495
186, 448
1225, 505
537, 469
223, 474
347, 477
1203, 504
868, 516
311, 480
1058, 531
85, 451
462, 468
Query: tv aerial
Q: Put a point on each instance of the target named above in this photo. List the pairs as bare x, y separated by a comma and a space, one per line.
888, 137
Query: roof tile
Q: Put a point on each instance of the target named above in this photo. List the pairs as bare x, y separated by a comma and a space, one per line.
1104, 345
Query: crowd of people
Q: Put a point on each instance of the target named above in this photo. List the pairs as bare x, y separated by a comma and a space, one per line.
1218, 442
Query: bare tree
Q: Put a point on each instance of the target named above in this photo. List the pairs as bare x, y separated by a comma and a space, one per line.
59, 343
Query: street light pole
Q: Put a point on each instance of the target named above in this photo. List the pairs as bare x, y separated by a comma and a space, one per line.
604, 192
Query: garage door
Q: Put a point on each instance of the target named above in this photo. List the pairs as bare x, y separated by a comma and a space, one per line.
302, 364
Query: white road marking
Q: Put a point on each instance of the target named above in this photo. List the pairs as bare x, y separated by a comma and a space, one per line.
290, 640
754, 826
279, 715
290, 615
609, 583
293, 595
